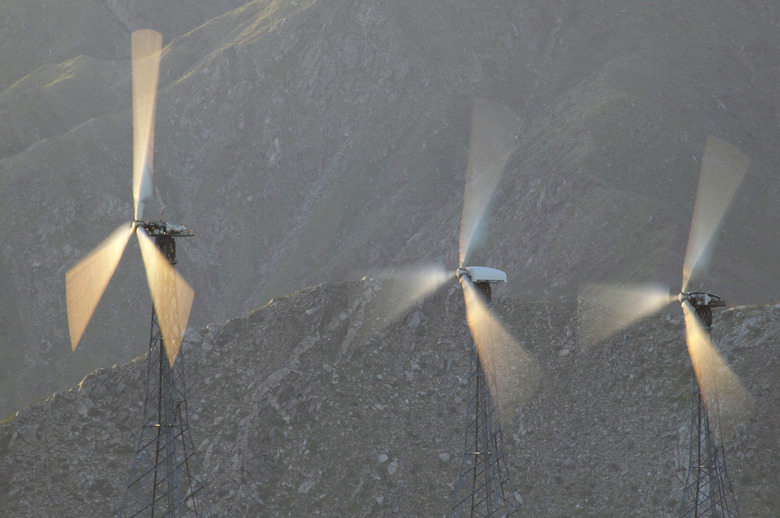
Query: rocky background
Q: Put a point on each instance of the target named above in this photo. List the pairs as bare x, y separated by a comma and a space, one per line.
311, 141
317, 404
308, 141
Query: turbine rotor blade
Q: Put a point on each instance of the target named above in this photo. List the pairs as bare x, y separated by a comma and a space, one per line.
171, 295
494, 128
86, 282
722, 169
511, 373
726, 400
605, 310
145, 51
411, 285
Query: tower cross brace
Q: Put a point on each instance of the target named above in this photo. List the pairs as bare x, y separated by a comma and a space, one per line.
166, 478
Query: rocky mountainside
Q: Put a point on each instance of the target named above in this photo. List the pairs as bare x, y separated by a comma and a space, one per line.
310, 141
318, 404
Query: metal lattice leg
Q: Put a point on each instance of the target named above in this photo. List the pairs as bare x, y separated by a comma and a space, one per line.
708, 492
483, 487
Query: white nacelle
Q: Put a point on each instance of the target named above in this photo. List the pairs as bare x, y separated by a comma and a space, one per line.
484, 274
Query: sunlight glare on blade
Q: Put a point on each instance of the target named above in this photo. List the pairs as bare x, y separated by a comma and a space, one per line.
172, 308
604, 310
146, 45
494, 128
410, 285
86, 282
512, 374
722, 168
724, 396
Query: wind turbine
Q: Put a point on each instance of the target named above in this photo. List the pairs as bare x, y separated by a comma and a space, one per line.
718, 398
501, 374
165, 479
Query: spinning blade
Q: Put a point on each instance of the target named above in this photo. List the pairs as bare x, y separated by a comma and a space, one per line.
511, 373
172, 314
146, 50
493, 132
723, 395
412, 284
86, 282
722, 169
608, 309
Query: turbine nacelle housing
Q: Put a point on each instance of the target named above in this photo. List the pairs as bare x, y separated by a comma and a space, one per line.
700, 299
163, 228
483, 278
164, 234
702, 303
478, 274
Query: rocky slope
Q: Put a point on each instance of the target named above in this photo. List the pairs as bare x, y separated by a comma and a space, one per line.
318, 404
307, 141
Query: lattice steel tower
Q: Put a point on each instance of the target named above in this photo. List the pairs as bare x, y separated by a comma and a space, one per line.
708, 492
166, 478
483, 487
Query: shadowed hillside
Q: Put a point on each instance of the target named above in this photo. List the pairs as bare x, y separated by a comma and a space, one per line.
318, 404
307, 141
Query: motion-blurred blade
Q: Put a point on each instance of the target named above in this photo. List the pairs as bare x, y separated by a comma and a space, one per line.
146, 46
171, 295
409, 286
494, 128
726, 400
511, 373
86, 282
722, 169
605, 309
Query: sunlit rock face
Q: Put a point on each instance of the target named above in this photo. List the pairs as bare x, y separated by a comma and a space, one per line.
317, 403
